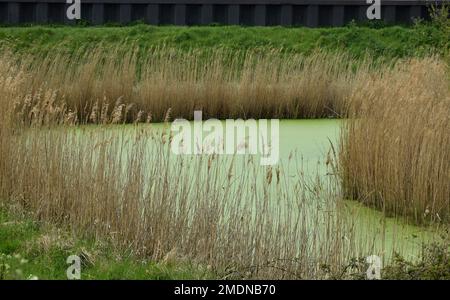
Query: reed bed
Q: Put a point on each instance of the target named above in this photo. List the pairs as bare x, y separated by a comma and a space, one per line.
396, 145
111, 187
240, 220
123, 186
222, 83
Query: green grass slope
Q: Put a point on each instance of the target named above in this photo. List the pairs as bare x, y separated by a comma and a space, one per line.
387, 42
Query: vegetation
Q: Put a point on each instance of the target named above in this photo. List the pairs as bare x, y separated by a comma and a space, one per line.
388, 42
223, 84
38, 250
392, 157
395, 145
434, 264
156, 205
116, 192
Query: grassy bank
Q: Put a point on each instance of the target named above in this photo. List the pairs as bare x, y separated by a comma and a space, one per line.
385, 42
35, 250
31, 249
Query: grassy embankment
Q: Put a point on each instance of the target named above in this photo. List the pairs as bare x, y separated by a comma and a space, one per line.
386, 42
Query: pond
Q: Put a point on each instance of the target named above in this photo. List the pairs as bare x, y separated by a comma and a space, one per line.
303, 190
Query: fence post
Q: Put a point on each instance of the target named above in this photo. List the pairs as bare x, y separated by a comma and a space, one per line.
260, 15
233, 14
312, 16
338, 15
125, 13
286, 15
41, 13
97, 13
180, 14
152, 14
13, 12
207, 14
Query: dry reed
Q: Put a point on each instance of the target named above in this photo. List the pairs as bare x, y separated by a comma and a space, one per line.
396, 146
221, 83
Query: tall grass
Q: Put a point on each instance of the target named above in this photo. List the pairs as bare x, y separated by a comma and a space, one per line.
123, 186
221, 83
396, 145
201, 210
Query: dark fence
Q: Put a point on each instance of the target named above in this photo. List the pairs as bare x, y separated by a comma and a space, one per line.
311, 13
